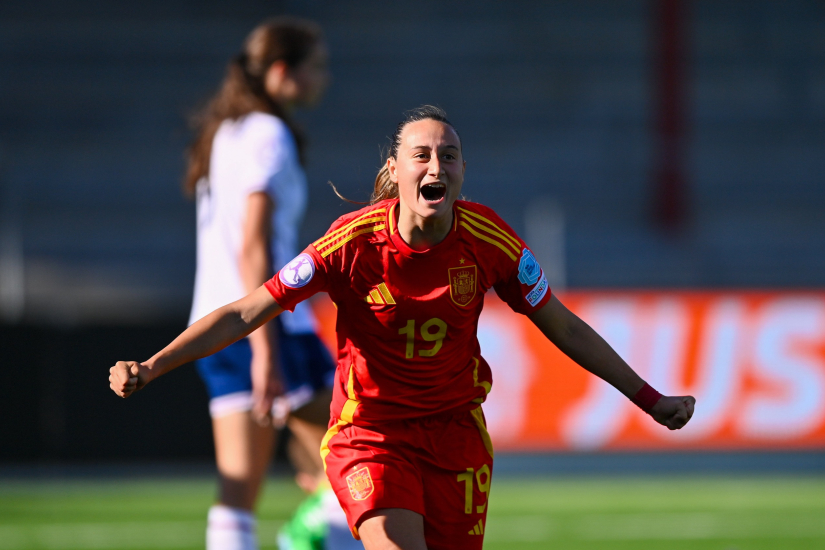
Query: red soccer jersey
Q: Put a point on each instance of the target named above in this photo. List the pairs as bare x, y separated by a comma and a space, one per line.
407, 319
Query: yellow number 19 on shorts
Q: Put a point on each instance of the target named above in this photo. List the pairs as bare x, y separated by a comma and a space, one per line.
482, 477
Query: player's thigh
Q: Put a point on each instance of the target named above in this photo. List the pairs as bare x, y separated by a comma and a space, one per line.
456, 489
371, 469
308, 437
393, 529
243, 448
308, 425
456, 504
316, 410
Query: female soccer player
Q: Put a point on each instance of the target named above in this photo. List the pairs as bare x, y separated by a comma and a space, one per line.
407, 451
245, 168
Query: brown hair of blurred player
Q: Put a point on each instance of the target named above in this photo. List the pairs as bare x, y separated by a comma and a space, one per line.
282, 42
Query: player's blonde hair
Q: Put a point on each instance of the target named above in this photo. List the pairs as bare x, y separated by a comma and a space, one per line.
384, 187
288, 39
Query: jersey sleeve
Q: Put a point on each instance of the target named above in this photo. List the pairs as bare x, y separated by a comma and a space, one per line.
524, 287
522, 283
304, 276
310, 271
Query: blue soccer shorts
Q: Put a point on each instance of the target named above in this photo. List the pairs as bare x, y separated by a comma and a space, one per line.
306, 368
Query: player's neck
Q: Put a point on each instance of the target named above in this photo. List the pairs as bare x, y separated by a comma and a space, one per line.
423, 233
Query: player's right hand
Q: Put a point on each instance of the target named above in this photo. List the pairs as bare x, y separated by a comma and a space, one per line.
126, 377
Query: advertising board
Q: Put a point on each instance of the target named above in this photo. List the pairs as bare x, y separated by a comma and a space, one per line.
755, 361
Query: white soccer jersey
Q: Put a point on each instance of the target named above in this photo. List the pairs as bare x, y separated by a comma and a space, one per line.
256, 153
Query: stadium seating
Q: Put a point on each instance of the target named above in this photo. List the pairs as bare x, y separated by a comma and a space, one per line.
552, 99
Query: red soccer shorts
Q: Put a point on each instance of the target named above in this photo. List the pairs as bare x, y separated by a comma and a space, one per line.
438, 466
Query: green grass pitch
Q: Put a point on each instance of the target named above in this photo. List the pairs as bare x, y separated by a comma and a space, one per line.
748, 513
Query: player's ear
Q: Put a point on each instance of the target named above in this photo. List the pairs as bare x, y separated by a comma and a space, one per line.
275, 76
392, 170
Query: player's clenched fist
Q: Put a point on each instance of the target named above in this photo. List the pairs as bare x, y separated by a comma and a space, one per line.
672, 411
126, 377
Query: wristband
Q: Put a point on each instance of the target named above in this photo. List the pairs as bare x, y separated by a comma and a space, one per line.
646, 398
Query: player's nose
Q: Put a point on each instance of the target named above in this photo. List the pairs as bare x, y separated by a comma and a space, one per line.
434, 167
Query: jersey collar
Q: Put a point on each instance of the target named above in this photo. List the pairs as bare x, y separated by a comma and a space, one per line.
403, 247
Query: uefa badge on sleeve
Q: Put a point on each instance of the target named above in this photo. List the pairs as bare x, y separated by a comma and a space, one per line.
298, 272
529, 269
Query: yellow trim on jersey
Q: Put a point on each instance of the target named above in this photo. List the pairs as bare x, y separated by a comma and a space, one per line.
348, 411
327, 436
498, 234
512, 239
320, 245
489, 240
349, 237
352, 403
486, 385
482, 429
347, 414
391, 218
335, 234
351, 383
326, 239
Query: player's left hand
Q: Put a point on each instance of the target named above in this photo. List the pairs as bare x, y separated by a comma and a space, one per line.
266, 386
673, 411
126, 377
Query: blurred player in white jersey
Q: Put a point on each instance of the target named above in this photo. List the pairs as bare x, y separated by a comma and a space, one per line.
245, 168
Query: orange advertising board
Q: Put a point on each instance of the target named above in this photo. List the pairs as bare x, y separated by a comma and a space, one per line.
755, 361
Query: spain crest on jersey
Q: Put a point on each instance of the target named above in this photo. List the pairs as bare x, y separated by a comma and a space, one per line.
360, 484
463, 284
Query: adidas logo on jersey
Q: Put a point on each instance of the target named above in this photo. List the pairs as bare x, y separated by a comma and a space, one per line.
380, 295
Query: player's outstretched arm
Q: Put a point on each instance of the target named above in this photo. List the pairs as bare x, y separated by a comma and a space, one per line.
214, 332
583, 345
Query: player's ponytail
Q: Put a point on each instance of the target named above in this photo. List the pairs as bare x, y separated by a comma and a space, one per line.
385, 188
243, 90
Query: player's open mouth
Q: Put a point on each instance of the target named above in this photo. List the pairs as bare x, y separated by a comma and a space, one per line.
433, 192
